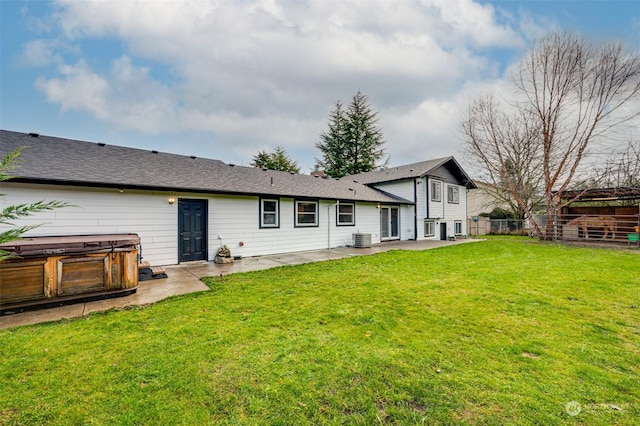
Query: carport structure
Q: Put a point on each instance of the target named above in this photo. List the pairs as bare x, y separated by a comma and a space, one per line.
600, 214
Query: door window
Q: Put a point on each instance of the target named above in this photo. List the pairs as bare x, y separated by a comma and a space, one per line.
389, 222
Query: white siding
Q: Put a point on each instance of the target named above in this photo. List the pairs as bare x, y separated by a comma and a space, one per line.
436, 208
422, 200
402, 188
443, 211
234, 218
408, 190
453, 212
406, 222
102, 211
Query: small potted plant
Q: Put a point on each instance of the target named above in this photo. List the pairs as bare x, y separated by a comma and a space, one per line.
223, 255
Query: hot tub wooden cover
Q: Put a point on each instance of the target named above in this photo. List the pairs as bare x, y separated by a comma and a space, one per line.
63, 244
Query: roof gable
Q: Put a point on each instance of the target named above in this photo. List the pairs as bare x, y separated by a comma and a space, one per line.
446, 168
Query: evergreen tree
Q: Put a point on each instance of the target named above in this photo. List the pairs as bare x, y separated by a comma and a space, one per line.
277, 160
9, 213
353, 143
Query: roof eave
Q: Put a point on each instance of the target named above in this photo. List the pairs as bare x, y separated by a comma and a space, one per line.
118, 186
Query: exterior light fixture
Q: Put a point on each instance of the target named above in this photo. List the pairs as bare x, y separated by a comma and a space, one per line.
171, 198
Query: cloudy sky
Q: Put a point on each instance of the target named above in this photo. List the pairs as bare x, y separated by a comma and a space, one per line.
227, 78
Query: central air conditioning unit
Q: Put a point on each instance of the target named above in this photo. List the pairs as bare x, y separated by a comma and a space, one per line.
361, 240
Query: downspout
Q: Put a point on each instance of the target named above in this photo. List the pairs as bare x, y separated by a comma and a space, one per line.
415, 210
329, 226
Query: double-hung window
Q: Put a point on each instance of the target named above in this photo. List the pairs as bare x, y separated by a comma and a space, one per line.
306, 213
345, 214
429, 228
453, 195
269, 213
457, 227
436, 191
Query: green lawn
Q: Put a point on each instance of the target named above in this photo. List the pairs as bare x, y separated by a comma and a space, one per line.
506, 331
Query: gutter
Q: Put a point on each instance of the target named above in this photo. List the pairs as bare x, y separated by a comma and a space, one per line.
160, 188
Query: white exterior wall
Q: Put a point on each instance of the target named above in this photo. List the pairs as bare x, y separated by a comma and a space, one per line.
404, 189
436, 208
237, 219
443, 211
102, 211
146, 213
407, 225
456, 212
421, 206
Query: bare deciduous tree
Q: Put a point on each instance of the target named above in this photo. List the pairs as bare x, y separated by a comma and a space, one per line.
624, 169
570, 93
505, 145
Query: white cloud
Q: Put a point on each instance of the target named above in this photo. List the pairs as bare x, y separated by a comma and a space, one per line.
39, 53
79, 88
534, 27
477, 23
269, 72
126, 97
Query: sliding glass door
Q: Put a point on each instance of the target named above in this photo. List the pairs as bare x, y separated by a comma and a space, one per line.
389, 222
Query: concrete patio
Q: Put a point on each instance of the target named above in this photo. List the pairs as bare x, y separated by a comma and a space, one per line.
185, 278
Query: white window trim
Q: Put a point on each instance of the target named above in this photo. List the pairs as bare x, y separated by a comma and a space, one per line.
436, 195
455, 194
352, 214
316, 213
262, 212
433, 228
457, 224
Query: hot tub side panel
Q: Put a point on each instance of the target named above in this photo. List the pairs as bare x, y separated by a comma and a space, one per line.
67, 277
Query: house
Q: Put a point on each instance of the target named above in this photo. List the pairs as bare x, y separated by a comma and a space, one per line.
483, 199
185, 207
437, 190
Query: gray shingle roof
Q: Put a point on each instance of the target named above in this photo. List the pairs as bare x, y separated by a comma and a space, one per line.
65, 161
412, 171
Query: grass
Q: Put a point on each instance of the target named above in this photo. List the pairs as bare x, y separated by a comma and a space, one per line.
506, 331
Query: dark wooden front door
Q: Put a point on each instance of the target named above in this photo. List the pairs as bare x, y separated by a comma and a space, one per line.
443, 231
192, 230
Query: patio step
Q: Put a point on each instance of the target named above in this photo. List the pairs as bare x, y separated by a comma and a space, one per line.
158, 270
148, 272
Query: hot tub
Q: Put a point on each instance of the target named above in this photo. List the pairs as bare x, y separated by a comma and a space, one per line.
53, 270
